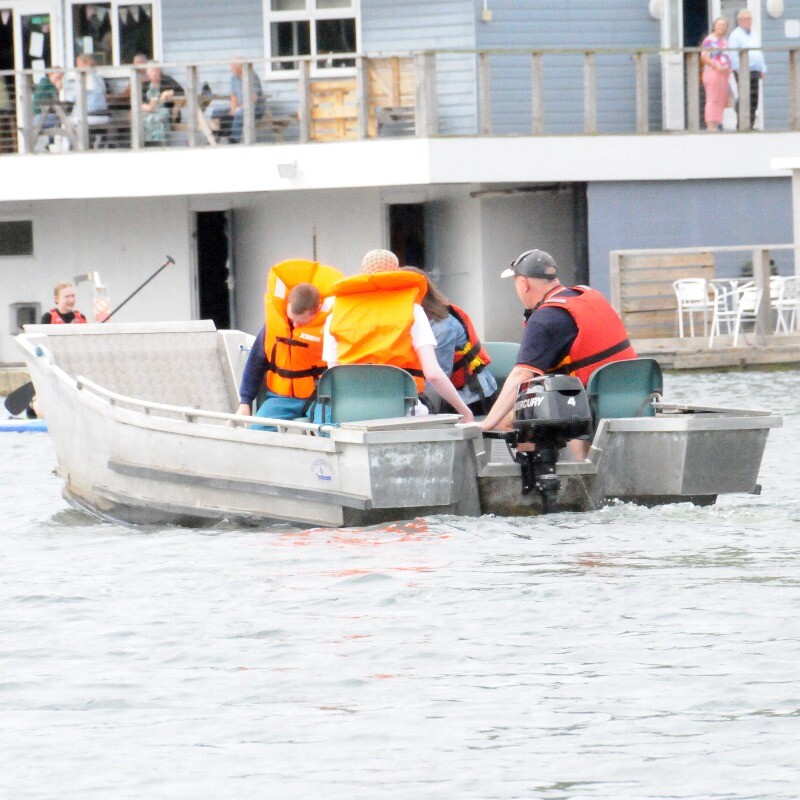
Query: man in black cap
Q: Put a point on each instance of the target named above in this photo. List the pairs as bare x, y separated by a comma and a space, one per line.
571, 330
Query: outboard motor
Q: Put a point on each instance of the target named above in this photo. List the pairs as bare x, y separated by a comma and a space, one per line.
549, 411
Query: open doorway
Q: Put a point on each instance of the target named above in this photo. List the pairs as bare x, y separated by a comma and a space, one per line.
407, 233
215, 267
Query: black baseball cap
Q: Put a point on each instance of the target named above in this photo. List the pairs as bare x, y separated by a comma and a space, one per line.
532, 264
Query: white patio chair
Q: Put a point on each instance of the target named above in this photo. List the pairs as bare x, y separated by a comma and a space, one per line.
733, 308
784, 299
694, 295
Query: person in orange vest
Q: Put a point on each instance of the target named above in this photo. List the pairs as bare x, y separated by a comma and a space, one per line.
377, 319
568, 330
286, 357
64, 312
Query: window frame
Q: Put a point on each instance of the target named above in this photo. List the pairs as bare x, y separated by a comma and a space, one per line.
312, 15
115, 68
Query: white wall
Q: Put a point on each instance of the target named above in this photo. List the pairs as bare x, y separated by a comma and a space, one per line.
510, 225
124, 240
272, 227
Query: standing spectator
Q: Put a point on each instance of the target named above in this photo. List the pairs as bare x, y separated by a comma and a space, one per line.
231, 116
744, 38
716, 73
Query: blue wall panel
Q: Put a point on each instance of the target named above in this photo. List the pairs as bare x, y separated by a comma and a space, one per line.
688, 214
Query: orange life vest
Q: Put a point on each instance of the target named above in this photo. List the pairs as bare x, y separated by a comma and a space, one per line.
601, 338
294, 355
372, 320
471, 358
57, 319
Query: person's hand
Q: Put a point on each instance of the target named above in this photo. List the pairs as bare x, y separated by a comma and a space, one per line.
243, 410
468, 417
167, 94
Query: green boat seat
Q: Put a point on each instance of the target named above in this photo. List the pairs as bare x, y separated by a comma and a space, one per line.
504, 359
349, 392
625, 389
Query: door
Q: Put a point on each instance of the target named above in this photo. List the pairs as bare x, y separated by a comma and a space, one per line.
29, 40
214, 267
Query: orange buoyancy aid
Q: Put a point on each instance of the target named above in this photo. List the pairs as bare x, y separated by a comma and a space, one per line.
601, 338
372, 319
294, 354
471, 358
57, 319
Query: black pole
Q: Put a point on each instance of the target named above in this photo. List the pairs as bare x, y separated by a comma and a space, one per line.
170, 260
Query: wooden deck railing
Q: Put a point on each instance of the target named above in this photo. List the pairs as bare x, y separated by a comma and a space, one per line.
422, 94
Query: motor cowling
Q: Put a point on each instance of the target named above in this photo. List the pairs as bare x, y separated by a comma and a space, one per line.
552, 408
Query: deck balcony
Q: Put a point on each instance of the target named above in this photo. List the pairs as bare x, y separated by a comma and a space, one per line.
423, 94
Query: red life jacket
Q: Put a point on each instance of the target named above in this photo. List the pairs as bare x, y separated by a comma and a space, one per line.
57, 319
601, 338
471, 358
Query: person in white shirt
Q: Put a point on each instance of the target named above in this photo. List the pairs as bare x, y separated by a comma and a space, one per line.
744, 38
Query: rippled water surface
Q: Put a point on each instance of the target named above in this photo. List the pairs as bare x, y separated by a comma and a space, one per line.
622, 653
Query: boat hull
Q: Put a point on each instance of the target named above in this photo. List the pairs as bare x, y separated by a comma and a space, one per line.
136, 457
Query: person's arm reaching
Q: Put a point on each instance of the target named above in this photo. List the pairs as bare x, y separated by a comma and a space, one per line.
508, 395
439, 381
253, 375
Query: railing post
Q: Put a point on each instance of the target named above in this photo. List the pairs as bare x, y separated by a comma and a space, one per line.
305, 101
484, 95
794, 89
362, 97
82, 127
26, 107
642, 99
137, 118
426, 108
743, 87
693, 91
248, 105
537, 94
589, 92
192, 104
761, 275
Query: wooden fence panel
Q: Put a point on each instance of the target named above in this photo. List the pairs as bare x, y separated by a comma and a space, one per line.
642, 293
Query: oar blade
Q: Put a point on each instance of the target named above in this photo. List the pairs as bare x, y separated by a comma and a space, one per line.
20, 399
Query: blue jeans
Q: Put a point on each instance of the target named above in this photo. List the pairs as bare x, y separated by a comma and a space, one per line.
277, 406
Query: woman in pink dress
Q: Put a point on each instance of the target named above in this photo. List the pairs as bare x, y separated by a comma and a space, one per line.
716, 73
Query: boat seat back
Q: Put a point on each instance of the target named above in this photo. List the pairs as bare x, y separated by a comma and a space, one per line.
350, 392
504, 359
625, 389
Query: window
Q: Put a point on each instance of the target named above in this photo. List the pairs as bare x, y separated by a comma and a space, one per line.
323, 29
115, 31
16, 238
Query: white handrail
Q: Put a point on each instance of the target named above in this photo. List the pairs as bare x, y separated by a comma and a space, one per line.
188, 413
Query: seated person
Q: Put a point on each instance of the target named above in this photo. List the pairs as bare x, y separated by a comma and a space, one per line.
377, 319
158, 99
44, 93
64, 312
459, 352
288, 349
231, 116
96, 105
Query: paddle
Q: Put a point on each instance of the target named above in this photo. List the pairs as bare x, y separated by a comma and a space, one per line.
21, 397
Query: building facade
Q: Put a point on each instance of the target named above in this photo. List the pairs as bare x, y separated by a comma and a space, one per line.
532, 124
